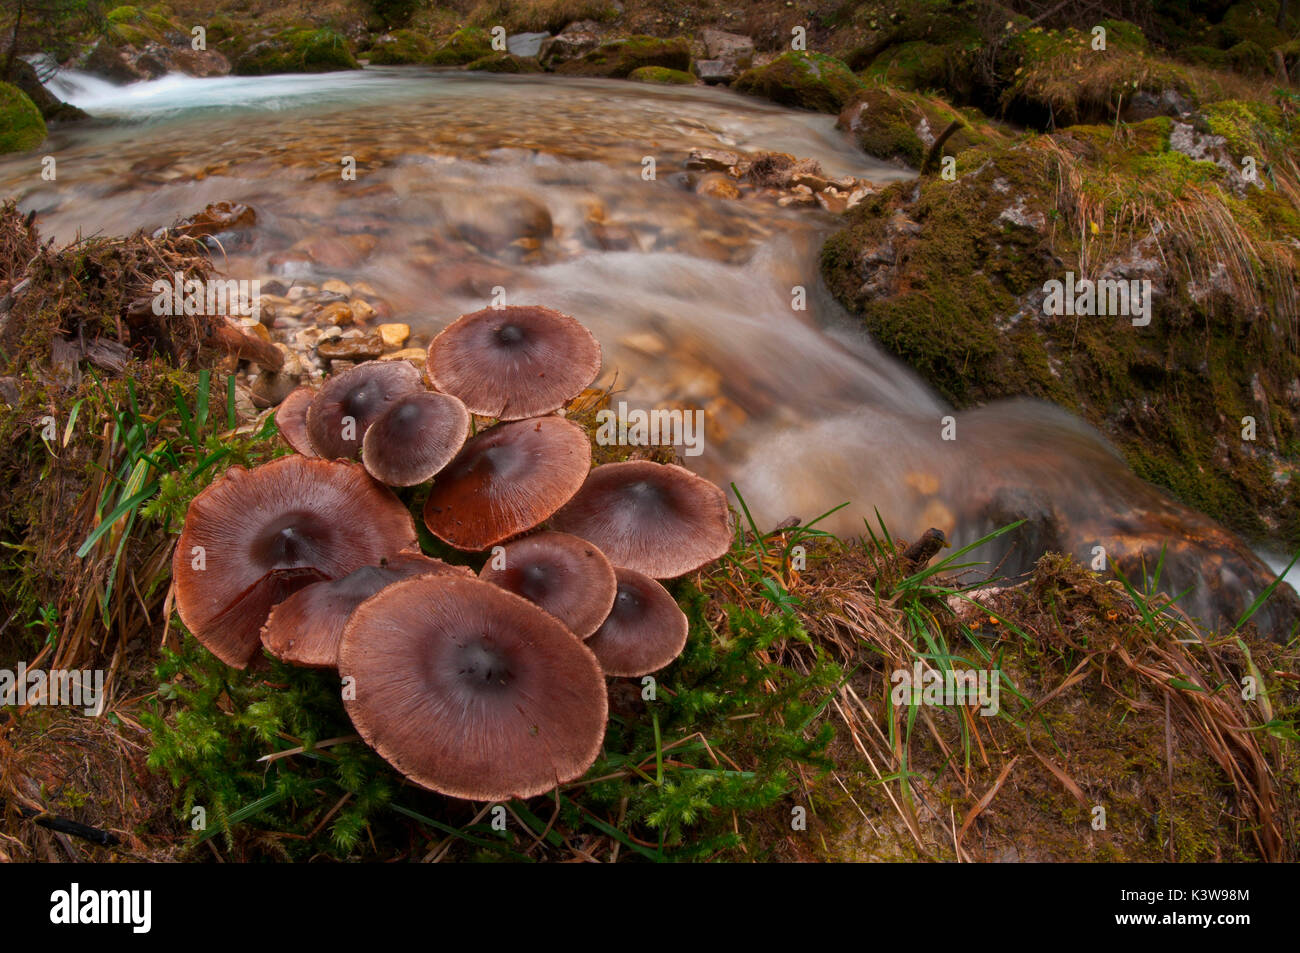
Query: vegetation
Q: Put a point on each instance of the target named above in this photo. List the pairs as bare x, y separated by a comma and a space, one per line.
21, 125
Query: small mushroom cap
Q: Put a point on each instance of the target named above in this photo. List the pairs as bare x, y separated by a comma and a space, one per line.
346, 405
567, 576
472, 691
254, 537
514, 362
645, 630
659, 519
415, 437
506, 480
291, 419
305, 628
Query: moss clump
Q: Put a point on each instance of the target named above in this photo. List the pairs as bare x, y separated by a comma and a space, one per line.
297, 51
802, 79
401, 48
505, 63
900, 126
21, 125
658, 74
464, 46
1058, 78
132, 25
620, 58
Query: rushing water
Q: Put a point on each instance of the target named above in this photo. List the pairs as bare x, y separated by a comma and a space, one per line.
535, 185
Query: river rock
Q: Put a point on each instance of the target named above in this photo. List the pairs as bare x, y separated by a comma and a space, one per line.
416, 355
526, 44
575, 40
215, 218
334, 286
712, 160
726, 55
362, 311
393, 335
336, 313
715, 185
365, 348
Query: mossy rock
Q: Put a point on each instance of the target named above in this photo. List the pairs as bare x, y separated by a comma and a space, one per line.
464, 46
802, 79
659, 74
619, 59
899, 126
297, 51
950, 276
401, 48
21, 125
220, 29
505, 63
132, 25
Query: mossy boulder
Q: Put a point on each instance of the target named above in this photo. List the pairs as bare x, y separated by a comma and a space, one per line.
899, 126
952, 277
401, 48
802, 79
297, 51
659, 74
505, 63
621, 58
21, 125
464, 46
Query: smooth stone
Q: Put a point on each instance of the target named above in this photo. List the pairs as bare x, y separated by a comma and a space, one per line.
393, 335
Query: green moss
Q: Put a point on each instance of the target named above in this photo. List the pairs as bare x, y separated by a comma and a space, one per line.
297, 51
130, 24
802, 79
21, 125
464, 46
505, 63
401, 47
658, 74
620, 58
896, 125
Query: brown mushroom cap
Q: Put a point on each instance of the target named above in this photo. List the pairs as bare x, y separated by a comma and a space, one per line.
659, 519
645, 630
472, 691
506, 480
291, 419
514, 362
305, 628
254, 537
567, 576
361, 393
415, 438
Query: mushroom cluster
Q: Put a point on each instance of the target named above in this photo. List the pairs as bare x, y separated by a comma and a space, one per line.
484, 686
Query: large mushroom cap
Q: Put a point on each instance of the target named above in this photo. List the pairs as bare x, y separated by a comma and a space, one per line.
659, 519
348, 404
415, 438
507, 480
645, 630
514, 362
291, 419
470, 690
305, 628
254, 537
567, 576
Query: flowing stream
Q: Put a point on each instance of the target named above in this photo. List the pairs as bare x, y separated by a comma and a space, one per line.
465, 183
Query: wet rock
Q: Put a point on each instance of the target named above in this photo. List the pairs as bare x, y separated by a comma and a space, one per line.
362, 311
716, 185
526, 44
297, 51
806, 80
337, 313
365, 348
711, 160
575, 40
334, 286
726, 55
109, 61
501, 62
393, 335
52, 108
272, 387
492, 221
416, 355
619, 58
612, 237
